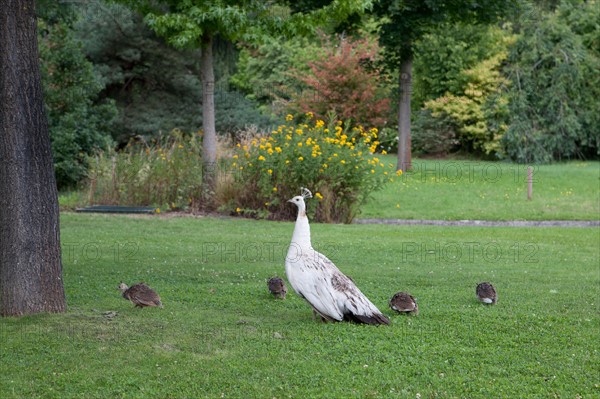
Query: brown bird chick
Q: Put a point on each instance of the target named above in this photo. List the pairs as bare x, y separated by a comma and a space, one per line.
404, 303
140, 295
486, 293
277, 287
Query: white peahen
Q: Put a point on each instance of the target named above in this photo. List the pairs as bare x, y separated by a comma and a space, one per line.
315, 278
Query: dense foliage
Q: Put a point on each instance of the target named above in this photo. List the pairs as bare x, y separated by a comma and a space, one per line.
525, 89
78, 120
472, 114
157, 88
344, 81
554, 68
263, 71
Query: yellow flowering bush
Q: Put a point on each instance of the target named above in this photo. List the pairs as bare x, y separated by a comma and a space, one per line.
338, 164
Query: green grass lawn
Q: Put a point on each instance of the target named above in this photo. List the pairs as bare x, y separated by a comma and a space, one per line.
456, 190
220, 334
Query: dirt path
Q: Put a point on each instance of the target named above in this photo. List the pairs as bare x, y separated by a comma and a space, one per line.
484, 223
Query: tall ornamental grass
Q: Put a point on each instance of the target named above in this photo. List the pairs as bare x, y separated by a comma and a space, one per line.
165, 173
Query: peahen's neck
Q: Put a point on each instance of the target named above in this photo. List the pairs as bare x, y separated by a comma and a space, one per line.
301, 236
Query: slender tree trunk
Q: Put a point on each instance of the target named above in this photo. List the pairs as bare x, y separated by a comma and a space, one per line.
209, 143
404, 141
30, 257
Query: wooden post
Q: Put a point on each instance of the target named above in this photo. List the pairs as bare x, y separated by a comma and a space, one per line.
529, 183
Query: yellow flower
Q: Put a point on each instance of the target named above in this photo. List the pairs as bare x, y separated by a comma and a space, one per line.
261, 158
383, 152
299, 144
157, 210
335, 154
310, 115
319, 123
300, 158
235, 157
397, 205
287, 161
372, 171
270, 171
325, 165
298, 131
238, 145
270, 151
318, 195
266, 203
275, 189
288, 137
343, 162
289, 117
238, 210
278, 149
399, 172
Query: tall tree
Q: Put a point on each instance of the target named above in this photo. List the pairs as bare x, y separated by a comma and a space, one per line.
195, 24
30, 258
407, 21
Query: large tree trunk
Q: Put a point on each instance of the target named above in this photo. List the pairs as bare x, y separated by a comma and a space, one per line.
209, 141
30, 258
404, 142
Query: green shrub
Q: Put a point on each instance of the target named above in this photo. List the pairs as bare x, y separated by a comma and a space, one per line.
336, 163
162, 173
446, 52
470, 115
263, 73
78, 122
344, 80
555, 86
433, 136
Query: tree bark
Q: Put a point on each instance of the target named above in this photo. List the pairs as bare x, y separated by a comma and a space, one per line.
209, 141
404, 141
30, 258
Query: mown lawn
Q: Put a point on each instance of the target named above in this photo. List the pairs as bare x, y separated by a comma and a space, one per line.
457, 190
220, 334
